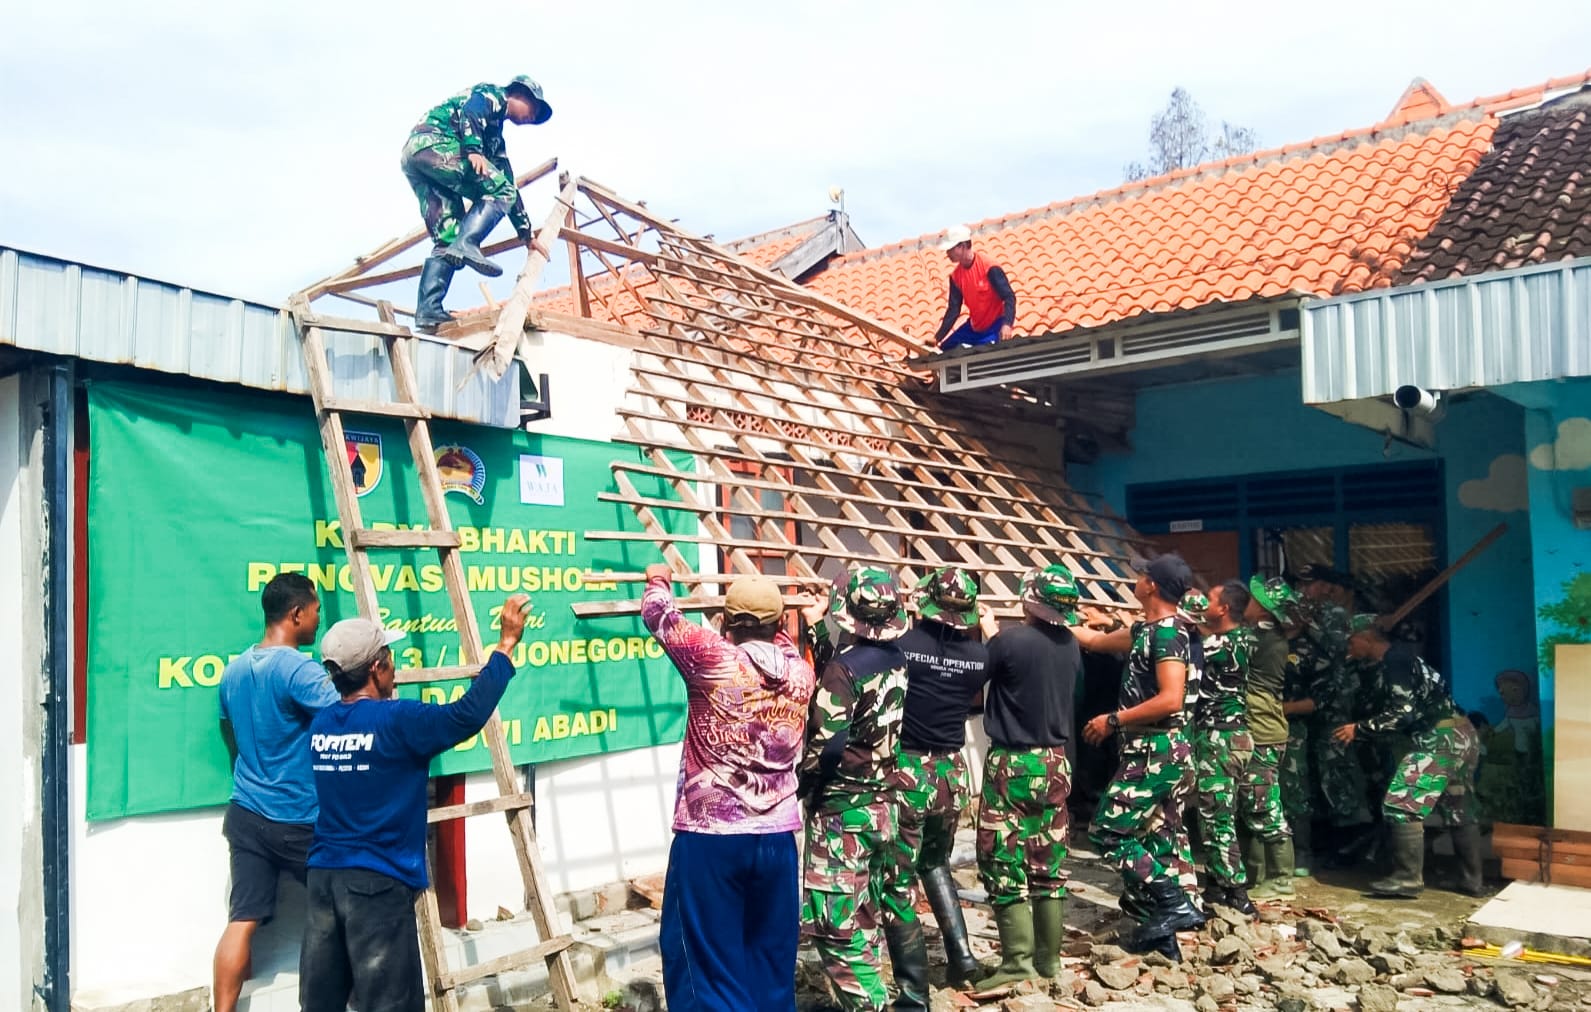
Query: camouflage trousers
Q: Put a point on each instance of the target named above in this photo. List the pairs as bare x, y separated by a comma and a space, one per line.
930, 791
1342, 779
442, 177
1298, 800
1220, 759
846, 857
1139, 815
1022, 823
1438, 774
1259, 799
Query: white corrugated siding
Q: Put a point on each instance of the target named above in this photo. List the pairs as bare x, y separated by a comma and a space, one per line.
65, 308
1514, 326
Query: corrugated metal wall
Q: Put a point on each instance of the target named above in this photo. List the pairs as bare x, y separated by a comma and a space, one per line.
1516, 326
65, 308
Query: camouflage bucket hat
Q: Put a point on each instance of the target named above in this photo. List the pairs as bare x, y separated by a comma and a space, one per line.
1193, 606
871, 607
1363, 622
1050, 594
527, 84
950, 595
1275, 596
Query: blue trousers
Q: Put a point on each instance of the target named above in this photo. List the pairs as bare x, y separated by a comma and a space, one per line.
731, 922
964, 335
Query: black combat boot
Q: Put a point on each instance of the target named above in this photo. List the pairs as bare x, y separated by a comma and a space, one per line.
1238, 899
1408, 862
908, 955
1171, 913
1467, 847
961, 968
473, 230
1134, 902
435, 278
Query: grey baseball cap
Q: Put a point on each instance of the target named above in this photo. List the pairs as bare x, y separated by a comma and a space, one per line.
355, 642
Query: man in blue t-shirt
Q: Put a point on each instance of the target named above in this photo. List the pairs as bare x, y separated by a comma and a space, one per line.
372, 756
269, 695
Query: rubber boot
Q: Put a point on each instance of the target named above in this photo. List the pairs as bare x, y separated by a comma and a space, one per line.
1303, 847
1048, 927
1254, 859
1237, 898
1467, 847
473, 230
1277, 882
1407, 841
1015, 921
960, 966
436, 275
908, 956
1134, 902
1172, 913
1215, 896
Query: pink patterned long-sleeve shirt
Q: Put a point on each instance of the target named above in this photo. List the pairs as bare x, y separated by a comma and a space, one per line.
746, 717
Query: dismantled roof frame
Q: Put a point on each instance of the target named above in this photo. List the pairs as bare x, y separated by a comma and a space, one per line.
787, 424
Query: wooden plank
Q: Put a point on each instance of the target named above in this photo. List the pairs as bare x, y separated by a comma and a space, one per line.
380, 328
390, 409
512, 961
499, 355
420, 676
1436, 582
433, 946
501, 803
577, 274
370, 538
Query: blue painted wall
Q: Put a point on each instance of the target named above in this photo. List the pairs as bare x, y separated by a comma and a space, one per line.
1226, 428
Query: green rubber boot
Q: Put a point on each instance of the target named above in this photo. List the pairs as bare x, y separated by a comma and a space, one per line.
1015, 921
1278, 881
1047, 931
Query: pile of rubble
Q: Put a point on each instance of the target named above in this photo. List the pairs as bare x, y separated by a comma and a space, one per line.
1289, 965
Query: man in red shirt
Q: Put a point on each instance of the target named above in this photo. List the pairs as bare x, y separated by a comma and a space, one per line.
982, 286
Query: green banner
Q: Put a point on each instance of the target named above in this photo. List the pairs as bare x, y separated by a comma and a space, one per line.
196, 499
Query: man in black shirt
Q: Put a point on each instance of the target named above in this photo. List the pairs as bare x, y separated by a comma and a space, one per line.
1022, 821
946, 667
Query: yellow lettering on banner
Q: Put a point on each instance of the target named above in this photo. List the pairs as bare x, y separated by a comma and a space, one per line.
481, 579
433, 694
328, 534
323, 576
260, 574
560, 725
577, 652
559, 653
492, 539
543, 731
174, 671
431, 578
407, 580
382, 576
538, 542
579, 725
469, 538
207, 669
292, 567
537, 653
516, 542
599, 721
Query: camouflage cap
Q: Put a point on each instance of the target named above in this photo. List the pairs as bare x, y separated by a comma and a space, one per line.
1363, 622
1274, 595
871, 607
1050, 594
528, 85
1193, 605
950, 595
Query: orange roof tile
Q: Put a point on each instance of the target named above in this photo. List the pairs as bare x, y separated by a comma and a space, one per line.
1332, 215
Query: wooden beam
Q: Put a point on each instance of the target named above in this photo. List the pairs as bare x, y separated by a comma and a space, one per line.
499, 355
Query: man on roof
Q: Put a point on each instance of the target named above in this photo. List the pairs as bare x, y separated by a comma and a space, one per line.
456, 153
981, 285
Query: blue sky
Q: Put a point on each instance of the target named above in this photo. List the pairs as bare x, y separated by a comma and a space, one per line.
252, 148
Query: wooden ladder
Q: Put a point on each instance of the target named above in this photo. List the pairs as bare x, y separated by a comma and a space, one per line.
359, 541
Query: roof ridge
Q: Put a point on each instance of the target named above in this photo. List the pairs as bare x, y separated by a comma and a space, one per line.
780, 232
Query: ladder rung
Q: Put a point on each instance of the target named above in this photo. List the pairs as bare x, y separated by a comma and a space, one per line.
370, 538
352, 325
512, 961
396, 409
413, 676
505, 803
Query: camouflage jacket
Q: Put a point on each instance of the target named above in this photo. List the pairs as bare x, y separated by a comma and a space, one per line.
1411, 698
1167, 639
1324, 673
1223, 703
853, 731
473, 120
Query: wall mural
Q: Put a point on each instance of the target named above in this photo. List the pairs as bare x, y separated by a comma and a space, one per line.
1505, 489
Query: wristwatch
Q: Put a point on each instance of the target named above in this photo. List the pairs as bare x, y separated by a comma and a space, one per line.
1112, 720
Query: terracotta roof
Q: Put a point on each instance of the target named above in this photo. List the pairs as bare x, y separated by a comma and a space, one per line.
1529, 200
1332, 215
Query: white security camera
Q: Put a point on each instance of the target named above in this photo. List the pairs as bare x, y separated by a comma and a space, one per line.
1418, 400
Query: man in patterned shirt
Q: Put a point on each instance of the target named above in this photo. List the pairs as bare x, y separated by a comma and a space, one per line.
1139, 806
1222, 743
1438, 773
847, 775
731, 899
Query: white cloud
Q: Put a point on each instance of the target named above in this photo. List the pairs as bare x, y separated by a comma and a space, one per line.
1503, 490
1571, 451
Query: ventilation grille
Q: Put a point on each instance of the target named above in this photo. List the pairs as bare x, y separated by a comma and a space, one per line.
1379, 488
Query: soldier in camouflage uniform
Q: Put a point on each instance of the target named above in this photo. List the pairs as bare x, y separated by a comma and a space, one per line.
1156, 756
1337, 765
456, 153
946, 667
1268, 849
1438, 773
846, 780
1308, 665
1022, 818
1222, 744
